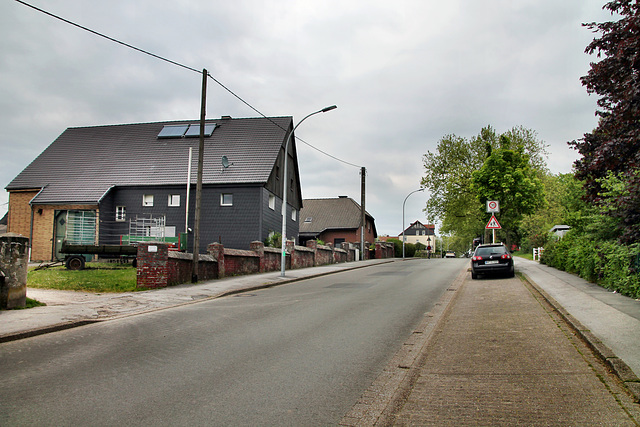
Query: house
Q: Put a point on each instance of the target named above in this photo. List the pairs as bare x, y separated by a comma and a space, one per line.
120, 184
335, 221
420, 233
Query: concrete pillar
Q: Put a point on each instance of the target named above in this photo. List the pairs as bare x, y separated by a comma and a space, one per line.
14, 260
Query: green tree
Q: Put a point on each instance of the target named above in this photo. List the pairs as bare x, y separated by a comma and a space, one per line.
507, 176
449, 172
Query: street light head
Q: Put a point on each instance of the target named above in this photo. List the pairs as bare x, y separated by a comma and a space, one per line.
325, 109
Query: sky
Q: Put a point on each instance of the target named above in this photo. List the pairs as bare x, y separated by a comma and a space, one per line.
403, 74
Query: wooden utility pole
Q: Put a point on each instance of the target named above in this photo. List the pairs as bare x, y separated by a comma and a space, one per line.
363, 174
196, 228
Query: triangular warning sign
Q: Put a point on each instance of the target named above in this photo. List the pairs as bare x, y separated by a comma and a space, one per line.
493, 223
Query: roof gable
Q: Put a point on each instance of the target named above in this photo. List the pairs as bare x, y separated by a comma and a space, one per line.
318, 215
83, 163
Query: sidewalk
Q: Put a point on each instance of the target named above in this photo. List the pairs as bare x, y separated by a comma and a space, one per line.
68, 309
499, 352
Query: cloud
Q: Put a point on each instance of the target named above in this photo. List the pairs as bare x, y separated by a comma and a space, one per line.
403, 75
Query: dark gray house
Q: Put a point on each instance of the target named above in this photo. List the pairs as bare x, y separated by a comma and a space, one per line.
122, 183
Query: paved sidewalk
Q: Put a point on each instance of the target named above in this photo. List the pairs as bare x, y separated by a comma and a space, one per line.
67, 309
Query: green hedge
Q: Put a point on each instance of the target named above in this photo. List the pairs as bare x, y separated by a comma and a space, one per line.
607, 263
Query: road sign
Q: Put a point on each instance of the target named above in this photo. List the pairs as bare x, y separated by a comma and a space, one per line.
493, 223
493, 206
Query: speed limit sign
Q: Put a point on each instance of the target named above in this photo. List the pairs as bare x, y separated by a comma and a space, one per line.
493, 206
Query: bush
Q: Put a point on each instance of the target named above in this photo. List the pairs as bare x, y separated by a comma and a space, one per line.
607, 263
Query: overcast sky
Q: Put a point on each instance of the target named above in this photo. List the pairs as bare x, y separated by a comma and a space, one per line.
403, 75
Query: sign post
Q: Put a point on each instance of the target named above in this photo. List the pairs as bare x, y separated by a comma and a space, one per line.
493, 225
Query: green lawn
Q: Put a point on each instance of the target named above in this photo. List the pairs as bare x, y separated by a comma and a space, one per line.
96, 277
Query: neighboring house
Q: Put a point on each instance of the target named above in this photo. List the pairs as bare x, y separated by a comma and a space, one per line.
126, 183
334, 221
418, 232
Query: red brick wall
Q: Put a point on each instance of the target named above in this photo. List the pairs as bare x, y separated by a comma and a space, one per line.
152, 271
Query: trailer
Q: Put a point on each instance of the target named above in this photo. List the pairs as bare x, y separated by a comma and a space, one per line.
75, 254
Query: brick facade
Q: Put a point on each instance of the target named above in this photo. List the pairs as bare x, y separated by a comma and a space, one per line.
19, 218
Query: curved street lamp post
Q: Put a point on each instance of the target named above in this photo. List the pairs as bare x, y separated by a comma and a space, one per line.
284, 195
404, 237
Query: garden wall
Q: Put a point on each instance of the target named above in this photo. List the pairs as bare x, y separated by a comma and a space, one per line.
157, 266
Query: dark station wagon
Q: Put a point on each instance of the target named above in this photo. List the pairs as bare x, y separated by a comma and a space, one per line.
490, 259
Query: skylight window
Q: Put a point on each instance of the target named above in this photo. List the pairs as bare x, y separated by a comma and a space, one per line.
173, 131
188, 131
194, 130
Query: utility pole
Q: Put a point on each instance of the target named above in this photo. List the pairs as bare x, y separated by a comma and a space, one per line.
363, 174
196, 228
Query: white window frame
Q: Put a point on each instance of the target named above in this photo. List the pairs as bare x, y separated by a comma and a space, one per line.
272, 202
121, 213
294, 214
228, 202
147, 200
173, 200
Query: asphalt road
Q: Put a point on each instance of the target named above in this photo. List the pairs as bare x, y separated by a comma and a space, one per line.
298, 354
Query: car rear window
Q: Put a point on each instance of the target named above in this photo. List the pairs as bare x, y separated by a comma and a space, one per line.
492, 250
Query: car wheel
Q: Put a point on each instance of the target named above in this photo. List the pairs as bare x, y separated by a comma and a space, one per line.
512, 273
474, 276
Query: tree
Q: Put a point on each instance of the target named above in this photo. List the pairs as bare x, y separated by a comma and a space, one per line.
614, 146
507, 176
449, 172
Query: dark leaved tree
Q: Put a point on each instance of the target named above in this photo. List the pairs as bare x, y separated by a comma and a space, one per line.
614, 146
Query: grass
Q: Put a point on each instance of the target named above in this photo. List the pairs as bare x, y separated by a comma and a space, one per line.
526, 255
96, 277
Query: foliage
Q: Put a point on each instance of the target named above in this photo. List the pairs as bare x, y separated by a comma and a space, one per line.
449, 173
273, 241
97, 277
614, 146
507, 176
608, 263
397, 247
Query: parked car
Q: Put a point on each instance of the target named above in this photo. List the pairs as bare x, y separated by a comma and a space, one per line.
492, 258
450, 254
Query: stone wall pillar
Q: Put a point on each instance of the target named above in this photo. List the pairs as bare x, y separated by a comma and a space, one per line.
216, 250
258, 247
290, 246
152, 265
14, 260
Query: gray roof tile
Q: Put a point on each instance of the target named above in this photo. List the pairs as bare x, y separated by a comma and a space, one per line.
83, 163
325, 214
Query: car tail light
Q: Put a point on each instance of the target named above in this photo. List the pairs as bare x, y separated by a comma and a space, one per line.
476, 258
506, 256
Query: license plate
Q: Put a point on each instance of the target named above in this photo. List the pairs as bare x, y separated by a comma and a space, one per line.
491, 262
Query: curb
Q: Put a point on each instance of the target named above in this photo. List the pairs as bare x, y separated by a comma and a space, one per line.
604, 353
382, 399
83, 322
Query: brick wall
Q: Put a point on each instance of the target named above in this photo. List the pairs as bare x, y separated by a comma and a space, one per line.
19, 218
160, 267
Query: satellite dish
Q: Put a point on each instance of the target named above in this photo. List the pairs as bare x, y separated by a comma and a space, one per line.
225, 162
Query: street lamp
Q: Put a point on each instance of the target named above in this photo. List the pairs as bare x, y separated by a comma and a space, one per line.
404, 238
284, 195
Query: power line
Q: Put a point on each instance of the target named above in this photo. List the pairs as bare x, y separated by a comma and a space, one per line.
146, 52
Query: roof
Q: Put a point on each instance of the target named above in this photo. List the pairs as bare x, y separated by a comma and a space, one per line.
418, 225
83, 163
318, 215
